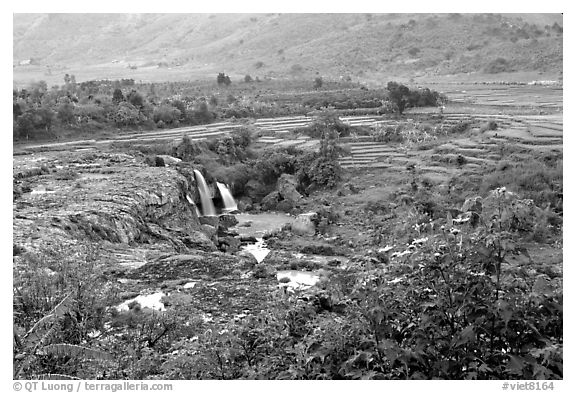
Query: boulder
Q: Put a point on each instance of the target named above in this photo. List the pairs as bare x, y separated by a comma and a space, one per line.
285, 206
210, 220
227, 220
304, 225
270, 201
168, 160
229, 244
197, 240
287, 188
209, 230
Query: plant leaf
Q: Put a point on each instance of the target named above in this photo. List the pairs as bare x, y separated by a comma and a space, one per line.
76, 351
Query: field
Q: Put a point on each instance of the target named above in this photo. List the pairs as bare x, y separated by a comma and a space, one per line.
433, 249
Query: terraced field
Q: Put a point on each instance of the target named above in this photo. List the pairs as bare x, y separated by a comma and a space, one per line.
541, 96
477, 149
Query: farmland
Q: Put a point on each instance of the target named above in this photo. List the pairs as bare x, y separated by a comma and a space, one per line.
402, 178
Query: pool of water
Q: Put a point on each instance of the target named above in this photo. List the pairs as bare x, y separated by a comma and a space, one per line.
152, 301
260, 224
258, 249
298, 279
41, 191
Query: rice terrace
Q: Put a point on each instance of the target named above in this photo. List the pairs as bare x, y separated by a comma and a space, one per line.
220, 196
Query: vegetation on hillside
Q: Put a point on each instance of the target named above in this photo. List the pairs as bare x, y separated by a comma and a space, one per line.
277, 45
42, 112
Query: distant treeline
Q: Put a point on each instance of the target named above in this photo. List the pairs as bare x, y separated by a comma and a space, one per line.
41, 112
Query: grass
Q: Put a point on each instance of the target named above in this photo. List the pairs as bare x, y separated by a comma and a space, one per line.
532, 179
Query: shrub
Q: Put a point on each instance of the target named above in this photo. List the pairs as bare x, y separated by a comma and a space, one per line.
223, 79
167, 114
318, 82
326, 123
65, 113
498, 65
135, 98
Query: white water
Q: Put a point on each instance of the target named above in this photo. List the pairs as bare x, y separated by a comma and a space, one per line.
229, 202
207, 204
298, 279
258, 249
152, 301
40, 192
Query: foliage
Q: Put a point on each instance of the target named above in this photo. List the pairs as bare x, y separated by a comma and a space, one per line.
223, 79
58, 301
326, 123
34, 122
455, 306
321, 169
135, 99
541, 183
167, 114
402, 97
117, 96
497, 65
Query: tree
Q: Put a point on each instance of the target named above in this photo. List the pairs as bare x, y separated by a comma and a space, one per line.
318, 82
65, 113
117, 96
399, 95
223, 79
135, 99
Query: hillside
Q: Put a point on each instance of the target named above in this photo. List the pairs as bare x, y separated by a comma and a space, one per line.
187, 46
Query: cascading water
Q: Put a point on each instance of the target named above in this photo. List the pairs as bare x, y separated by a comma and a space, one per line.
207, 204
229, 202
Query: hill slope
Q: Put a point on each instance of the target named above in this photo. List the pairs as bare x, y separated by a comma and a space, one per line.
290, 44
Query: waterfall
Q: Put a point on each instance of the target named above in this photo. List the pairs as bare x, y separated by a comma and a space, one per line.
207, 204
227, 198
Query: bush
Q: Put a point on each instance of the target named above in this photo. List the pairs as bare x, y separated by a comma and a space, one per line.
498, 65
326, 123
167, 114
318, 82
136, 99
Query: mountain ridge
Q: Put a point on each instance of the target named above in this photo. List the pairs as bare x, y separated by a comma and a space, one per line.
281, 45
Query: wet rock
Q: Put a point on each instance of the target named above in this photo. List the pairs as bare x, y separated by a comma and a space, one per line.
229, 244
199, 241
168, 160
247, 239
264, 271
197, 266
287, 188
246, 224
304, 225
210, 220
227, 220
210, 231
132, 204
318, 249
